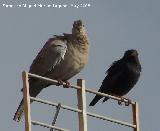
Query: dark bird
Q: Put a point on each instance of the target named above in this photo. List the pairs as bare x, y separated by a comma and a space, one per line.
121, 76
61, 58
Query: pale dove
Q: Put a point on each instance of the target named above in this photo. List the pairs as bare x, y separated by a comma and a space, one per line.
61, 58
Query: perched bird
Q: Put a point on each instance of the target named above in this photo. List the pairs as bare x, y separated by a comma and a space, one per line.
61, 58
121, 76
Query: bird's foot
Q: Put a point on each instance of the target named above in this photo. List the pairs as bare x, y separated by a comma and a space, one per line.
60, 82
126, 101
67, 84
120, 101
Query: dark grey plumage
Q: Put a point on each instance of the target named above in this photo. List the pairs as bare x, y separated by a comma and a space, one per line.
121, 76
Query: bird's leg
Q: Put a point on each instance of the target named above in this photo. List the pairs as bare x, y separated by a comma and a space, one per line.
127, 102
122, 100
60, 82
67, 84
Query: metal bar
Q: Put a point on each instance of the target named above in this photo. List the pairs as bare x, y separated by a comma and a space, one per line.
26, 98
80, 111
55, 104
111, 120
77, 87
48, 126
107, 95
51, 80
135, 111
56, 115
81, 96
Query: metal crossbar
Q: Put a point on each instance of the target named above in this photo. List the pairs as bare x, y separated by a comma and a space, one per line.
48, 126
82, 113
111, 120
107, 95
77, 87
55, 104
51, 80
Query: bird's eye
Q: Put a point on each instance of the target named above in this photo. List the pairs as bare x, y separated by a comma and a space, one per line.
59, 45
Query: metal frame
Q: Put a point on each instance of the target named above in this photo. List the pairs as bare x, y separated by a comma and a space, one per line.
82, 112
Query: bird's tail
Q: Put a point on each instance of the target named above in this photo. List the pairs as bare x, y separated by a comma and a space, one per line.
105, 99
95, 100
35, 89
19, 112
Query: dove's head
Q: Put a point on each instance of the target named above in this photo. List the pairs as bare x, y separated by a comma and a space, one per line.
78, 28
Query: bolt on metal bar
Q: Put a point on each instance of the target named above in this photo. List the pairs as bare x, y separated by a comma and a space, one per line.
48, 126
51, 80
55, 104
111, 120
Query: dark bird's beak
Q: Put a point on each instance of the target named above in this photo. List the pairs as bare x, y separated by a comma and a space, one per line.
134, 53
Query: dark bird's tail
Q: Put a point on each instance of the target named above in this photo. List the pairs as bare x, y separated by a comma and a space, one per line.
105, 99
95, 100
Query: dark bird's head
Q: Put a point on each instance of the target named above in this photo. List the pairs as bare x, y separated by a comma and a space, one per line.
78, 28
131, 56
131, 53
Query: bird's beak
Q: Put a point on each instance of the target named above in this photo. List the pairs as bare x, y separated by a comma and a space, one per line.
134, 53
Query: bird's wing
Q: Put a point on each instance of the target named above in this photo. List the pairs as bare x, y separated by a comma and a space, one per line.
115, 67
113, 73
49, 56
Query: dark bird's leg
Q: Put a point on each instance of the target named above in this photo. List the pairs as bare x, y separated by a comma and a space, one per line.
126, 101
120, 101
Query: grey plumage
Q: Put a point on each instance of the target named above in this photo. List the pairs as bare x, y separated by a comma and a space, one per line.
61, 58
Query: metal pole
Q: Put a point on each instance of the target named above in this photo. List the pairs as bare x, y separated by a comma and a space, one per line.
26, 98
135, 111
81, 95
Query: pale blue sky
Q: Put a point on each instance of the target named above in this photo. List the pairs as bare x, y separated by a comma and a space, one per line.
113, 26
